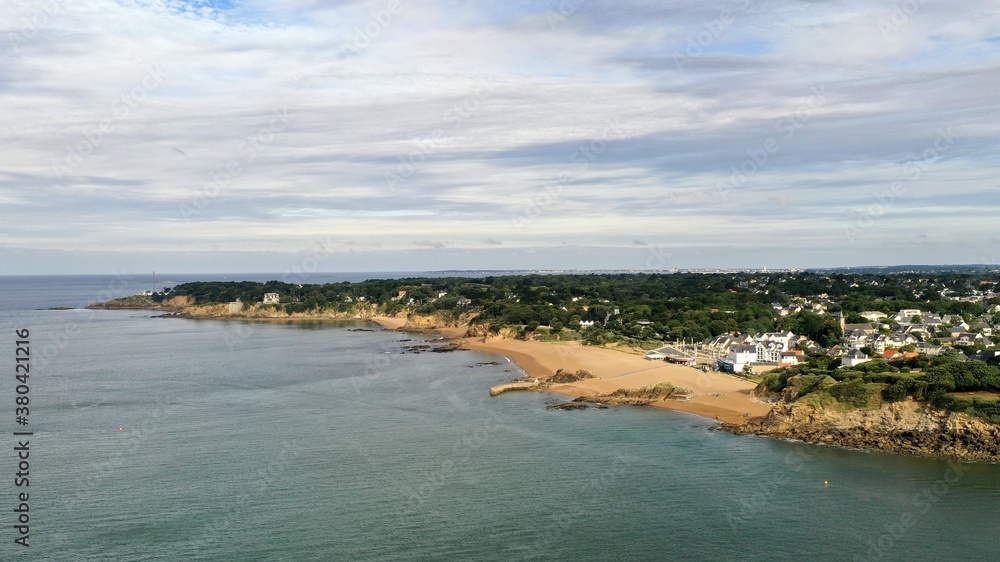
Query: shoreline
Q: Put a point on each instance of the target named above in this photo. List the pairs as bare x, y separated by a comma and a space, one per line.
724, 399
718, 397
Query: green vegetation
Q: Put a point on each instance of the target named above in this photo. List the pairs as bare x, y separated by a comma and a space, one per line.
643, 310
867, 385
646, 310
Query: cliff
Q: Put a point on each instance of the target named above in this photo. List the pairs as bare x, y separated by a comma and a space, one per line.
906, 427
185, 307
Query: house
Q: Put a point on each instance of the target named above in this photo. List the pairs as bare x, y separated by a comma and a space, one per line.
865, 327
927, 349
879, 343
721, 343
271, 298
854, 358
905, 316
891, 354
790, 358
899, 340
464, 302
856, 339
984, 356
399, 296
873, 316
954, 331
739, 357
968, 338
956, 322
586, 323
147, 293
781, 339
769, 352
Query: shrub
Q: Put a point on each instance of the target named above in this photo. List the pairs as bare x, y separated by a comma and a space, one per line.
857, 393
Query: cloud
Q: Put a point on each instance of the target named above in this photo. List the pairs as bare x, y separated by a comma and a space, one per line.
428, 244
262, 125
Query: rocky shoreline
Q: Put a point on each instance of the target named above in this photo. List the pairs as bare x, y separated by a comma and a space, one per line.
910, 428
906, 427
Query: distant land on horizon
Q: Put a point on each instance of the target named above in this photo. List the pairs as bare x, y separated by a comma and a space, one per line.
861, 268
912, 268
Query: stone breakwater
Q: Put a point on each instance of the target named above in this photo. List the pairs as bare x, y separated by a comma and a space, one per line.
907, 427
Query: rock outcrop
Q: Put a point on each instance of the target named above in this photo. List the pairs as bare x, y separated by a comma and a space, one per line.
516, 385
563, 376
643, 396
907, 427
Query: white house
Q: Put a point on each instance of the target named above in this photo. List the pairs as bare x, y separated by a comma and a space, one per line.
783, 338
853, 358
873, 316
271, 298
742, 355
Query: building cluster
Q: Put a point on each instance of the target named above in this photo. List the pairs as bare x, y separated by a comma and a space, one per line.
757, 353
906, 334
911, 332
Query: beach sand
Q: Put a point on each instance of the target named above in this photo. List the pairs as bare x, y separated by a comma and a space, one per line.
717, 396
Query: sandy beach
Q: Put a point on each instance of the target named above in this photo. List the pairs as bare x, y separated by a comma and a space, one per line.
717, 396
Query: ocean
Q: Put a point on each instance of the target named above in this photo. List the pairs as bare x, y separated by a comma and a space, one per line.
174, 439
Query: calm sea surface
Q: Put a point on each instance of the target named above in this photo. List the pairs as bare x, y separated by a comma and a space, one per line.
252, 441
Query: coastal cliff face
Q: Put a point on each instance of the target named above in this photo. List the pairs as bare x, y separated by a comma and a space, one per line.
185, 307
434, 321
483, 331
907, 427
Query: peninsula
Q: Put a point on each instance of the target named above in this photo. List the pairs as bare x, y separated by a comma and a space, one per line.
803, 351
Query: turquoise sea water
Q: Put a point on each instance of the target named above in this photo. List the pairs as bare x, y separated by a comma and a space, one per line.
250, 441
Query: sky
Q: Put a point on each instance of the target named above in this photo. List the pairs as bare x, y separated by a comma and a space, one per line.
396, 135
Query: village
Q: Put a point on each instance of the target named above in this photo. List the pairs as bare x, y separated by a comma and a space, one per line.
906, 334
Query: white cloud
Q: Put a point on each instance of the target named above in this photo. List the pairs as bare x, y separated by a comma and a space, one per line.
150, 126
